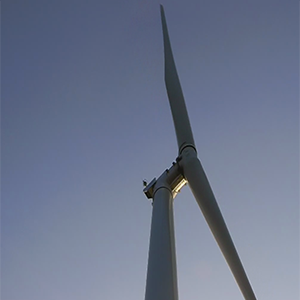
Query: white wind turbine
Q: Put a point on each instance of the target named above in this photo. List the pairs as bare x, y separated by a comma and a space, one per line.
161, 281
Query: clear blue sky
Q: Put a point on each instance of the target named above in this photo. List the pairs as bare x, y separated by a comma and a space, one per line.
85, 118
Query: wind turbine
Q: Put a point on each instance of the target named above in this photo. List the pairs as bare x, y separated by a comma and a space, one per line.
161, 283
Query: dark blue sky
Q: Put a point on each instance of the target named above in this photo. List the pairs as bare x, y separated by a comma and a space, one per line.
85, 118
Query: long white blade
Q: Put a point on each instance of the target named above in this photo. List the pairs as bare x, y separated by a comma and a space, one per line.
202, 191
180, 116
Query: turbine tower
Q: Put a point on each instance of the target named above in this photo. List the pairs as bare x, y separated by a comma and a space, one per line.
161, 281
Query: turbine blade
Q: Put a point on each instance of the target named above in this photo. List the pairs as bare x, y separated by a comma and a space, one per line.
180, 116
202, 191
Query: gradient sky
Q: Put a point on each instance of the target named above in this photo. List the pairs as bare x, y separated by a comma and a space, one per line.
85, 118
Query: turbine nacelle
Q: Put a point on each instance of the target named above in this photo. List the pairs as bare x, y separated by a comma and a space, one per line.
171, 179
